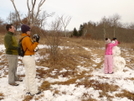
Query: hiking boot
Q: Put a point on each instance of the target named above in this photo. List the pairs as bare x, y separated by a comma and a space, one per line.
19, 80
38, 93
111, 73
28, 93
13, 84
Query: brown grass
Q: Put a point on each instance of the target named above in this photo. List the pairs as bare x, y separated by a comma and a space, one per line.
45, 85
126, 94
28, 98
1, 96
74, 56
69, 59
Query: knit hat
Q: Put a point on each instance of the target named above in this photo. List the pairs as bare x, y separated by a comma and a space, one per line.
108, 41
25, 28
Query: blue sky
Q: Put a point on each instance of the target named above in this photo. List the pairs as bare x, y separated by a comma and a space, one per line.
80, 10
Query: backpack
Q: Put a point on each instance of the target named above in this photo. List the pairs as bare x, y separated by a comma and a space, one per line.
21, 52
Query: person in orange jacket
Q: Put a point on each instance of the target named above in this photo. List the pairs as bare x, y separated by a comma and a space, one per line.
28, 60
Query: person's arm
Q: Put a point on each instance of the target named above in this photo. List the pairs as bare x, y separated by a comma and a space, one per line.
29, 44
115, 44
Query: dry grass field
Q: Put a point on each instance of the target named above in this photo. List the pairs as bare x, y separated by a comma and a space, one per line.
77, 56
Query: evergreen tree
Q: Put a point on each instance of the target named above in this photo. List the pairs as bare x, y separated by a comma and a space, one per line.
81, 30
75, 32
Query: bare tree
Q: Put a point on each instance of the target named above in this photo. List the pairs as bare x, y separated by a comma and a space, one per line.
115, 22
65, 21
16, 10
106, 24
33, 14
111, 22
131, 26
41, 21
54, 38
2, 25
13, 18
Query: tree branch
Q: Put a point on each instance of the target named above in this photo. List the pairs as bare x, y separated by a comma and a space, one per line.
18, 15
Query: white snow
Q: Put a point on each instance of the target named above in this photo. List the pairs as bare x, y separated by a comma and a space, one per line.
71, 92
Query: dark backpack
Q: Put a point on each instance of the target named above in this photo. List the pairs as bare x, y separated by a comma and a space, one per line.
21, 52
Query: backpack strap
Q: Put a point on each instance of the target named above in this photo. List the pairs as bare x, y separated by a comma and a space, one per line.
21, 41
22, 38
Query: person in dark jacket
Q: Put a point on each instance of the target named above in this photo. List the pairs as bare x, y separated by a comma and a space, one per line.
11, 51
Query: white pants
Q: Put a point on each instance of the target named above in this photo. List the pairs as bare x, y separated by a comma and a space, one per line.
30, 74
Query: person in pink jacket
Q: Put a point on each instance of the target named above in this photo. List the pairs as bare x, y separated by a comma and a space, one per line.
108, 59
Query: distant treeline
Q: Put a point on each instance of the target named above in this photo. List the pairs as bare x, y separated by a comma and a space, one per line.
107, 27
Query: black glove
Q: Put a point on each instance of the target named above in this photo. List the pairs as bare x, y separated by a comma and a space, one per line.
36, 37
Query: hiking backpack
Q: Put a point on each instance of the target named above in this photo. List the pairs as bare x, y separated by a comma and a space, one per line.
21, 52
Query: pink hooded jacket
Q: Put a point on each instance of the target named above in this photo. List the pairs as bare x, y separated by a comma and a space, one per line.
109, 47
